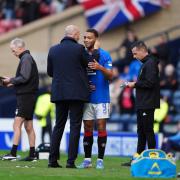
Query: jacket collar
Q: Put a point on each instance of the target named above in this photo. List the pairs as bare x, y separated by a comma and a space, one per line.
145, 59
26, 51
68, 38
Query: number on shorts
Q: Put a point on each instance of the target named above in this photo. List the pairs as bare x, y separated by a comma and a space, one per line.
104, 107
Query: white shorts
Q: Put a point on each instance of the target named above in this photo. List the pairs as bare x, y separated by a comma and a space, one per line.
96, 111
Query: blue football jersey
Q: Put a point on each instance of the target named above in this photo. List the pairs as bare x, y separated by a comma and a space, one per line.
97, 78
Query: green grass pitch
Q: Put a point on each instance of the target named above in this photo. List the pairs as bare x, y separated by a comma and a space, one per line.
19, 170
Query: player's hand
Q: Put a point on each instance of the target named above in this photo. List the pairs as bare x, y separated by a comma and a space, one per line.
131, 84
97, 44
94, 65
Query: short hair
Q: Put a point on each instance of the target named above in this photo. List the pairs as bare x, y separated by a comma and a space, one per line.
139, 45
70, 30
17, 42
94, 31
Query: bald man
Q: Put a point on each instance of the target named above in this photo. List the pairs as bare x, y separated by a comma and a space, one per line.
67, 62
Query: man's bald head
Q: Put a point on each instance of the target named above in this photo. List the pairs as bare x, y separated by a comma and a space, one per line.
72, 31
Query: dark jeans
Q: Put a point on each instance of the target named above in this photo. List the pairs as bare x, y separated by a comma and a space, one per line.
75, 110
145, 121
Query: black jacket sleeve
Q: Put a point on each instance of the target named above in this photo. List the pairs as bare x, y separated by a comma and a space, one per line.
25, 72
84, 60
150, 76
49, 66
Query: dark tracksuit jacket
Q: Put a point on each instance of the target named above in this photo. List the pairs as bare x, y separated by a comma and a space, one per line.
27, 78
147, 85
147, 99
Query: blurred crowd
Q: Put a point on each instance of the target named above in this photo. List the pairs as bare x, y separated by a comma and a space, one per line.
15, 13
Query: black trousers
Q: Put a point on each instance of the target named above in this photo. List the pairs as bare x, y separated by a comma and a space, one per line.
145, 121
75, 110
47, 129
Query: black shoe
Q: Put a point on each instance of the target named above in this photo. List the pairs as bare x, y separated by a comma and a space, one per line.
54, 165
126, 163
29, 158
9, 157
71, 166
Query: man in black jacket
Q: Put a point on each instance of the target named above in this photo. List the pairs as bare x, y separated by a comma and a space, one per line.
67, 64
26, 85
147, 95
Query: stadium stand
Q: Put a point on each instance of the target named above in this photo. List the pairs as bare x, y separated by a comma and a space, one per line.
176, 100
14, 14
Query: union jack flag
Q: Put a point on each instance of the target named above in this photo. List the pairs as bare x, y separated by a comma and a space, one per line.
106, 14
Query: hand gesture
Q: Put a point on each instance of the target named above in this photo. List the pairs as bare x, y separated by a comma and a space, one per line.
131, 84
94, 65
6, 82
